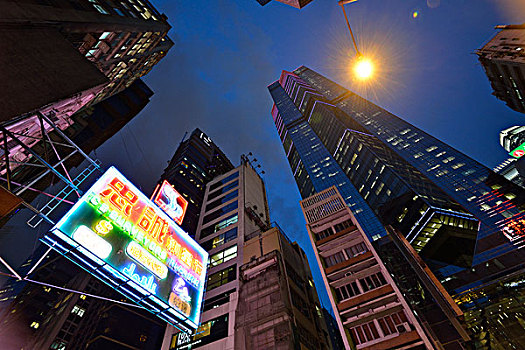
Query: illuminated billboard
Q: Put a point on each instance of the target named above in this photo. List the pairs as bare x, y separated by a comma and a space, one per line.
518, 152
169, 200
120, 236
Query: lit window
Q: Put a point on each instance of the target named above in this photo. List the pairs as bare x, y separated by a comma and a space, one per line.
104, 35
431, 148
35, 325
78, 311
100, 9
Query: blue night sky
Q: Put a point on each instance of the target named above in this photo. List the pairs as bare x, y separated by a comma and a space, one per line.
227, 52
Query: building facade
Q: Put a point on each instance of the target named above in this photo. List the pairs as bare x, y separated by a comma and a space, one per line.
63, 55
241, 310
196, 162
503, 59
234, 205
371, 312
278, 306
509, 170
463, 219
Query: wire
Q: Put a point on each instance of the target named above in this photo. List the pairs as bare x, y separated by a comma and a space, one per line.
73, 291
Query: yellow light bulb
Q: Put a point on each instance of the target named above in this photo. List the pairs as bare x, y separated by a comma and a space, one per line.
363, 68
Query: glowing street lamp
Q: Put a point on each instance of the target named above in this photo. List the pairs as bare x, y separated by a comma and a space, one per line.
363, 67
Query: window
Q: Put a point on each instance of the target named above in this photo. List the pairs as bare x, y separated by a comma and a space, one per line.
223, 256
78, 311
356, 250
347, 291
341, 226
223, 190
372, 282
323, 234
35, 325
431, 148
334, 259
230, 220
222, 200
222, 277
58, 345
220, 239
391, 323
216, 301
224, 181
220, 212
364, 333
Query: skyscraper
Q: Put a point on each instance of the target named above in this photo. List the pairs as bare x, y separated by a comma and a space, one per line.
253, 270
227, 215
503, 59
465, 220
196, 162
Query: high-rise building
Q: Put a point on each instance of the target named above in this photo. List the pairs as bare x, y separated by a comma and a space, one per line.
60, 56
278, 306
373, 309
196, 162
503, 59
295, 3
463, 219
234, 205
234, 227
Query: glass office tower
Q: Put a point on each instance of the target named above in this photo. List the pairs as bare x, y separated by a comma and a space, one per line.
465, 221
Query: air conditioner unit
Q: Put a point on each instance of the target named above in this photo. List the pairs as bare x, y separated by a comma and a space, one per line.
403, 327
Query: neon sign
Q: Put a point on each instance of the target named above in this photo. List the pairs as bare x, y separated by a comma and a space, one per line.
515, 229
169, 200
518, 152
123, 238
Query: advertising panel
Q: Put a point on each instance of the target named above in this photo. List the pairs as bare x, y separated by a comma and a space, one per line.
119, 235
169, 200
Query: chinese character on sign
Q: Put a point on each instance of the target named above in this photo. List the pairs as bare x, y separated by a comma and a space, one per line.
120, 196
153, 224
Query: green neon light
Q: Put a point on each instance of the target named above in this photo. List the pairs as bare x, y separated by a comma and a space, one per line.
518, 152
133, 231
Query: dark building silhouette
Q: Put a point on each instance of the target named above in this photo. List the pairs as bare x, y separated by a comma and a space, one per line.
196, 162
503, 59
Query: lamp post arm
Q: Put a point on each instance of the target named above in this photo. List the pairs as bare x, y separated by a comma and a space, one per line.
342, 3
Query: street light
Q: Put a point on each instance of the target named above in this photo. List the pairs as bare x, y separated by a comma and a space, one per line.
363, 67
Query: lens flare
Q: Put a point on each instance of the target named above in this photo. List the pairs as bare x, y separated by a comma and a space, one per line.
363, 68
